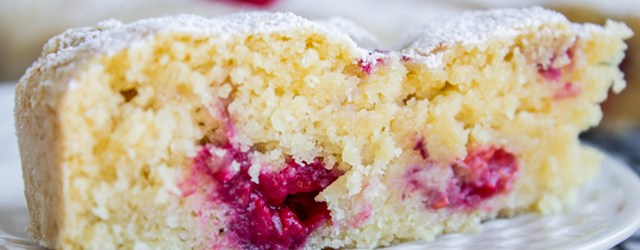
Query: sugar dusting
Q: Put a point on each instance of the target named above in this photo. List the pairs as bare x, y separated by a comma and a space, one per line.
473, 28
111, 36
469, 29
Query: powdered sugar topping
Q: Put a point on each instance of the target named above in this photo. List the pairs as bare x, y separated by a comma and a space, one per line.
112, 36
469, 29
474, 28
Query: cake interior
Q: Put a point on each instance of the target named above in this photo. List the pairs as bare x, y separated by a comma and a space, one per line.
185, 133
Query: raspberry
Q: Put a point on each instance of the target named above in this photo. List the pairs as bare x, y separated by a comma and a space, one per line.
278, 213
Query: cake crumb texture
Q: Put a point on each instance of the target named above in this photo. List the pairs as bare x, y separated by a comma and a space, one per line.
130, 134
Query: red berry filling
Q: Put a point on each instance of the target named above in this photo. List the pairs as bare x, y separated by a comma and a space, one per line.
263, 3
553, 75
278, 213
568, 90
483, 174
480, 176
550, 73
422, 148
257, 2
370, 66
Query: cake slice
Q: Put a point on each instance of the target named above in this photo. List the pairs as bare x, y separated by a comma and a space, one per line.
269, 131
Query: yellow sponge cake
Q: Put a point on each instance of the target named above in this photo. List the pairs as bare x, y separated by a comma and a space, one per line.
269, 131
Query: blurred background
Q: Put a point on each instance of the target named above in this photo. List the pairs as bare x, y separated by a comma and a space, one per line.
26, 25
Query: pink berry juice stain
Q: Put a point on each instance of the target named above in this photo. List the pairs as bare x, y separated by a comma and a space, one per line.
483, 174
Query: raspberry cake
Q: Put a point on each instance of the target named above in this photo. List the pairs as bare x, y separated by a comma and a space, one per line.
269, 131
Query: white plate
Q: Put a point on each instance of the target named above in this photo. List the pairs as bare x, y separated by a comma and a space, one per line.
607, 212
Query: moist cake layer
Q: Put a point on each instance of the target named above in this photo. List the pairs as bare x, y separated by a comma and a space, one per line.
268, 131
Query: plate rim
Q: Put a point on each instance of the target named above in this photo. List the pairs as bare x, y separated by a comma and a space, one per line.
629, 218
